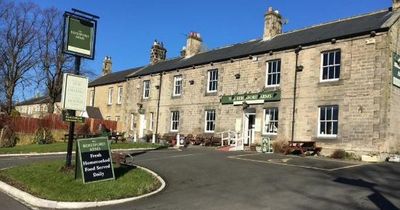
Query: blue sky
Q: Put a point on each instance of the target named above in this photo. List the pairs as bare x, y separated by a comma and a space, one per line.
127, 28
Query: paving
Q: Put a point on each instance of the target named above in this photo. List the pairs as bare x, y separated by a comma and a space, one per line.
202, 178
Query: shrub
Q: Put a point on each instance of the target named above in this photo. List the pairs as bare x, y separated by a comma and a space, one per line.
7, 137
43, 136
279, 146
342, 154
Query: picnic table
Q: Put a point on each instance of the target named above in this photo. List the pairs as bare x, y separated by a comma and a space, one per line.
117, 136
303, 147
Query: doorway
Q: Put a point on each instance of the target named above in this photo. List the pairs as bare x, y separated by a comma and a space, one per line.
142, 125
249, 123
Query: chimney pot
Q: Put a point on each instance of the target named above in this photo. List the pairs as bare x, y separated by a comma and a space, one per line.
272, 24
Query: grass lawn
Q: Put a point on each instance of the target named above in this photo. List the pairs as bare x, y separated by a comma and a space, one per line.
46, 180
62, 147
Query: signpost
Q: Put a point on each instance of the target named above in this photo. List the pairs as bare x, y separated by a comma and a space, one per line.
79, 40
95, 160
396, 70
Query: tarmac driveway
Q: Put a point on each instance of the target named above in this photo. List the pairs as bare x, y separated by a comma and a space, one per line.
202, 178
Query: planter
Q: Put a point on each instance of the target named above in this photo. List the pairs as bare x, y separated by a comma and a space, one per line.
371, 158
258, 148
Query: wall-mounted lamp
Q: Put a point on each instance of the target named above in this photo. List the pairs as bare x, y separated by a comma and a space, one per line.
373, 33
140, 105
300, 68
212, 64
250, 57
232, 60
245, 105
191, 82
271, 52
333, 41
237, 76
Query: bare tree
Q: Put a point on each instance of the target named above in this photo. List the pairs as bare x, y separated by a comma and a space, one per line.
53, 62
18, 49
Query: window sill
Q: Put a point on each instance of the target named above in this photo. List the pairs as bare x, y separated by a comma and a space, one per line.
211, 94
272, 86
335, 82
209, 131
327, 138
176, 96
269, 134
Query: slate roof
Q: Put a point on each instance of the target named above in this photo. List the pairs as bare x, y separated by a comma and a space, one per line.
321, 33
114, 77
38, 100
340, 29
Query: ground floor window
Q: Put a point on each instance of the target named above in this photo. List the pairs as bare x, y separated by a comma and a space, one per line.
271, 116
328, 121
210, 121
174, 120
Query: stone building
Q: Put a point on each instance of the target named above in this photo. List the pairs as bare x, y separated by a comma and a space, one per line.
107, 93
331, 83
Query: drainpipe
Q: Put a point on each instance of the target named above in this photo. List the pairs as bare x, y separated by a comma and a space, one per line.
158, 102
297, 68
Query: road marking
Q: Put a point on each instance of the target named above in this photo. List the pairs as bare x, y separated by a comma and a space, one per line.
284, 163
163, 158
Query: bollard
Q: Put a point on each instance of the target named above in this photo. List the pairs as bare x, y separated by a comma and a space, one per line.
134, 137
153, 140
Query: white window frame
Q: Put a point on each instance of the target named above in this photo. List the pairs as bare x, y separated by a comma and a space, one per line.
110, 95
175, 117
275, 74
119, 94
91, 98
334, 65
271, 121
132, 122
212, 78
177, 85
146, 89
151, 121
328, 121
206, 120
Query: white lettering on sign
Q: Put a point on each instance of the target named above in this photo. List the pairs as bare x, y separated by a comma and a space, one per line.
96, 174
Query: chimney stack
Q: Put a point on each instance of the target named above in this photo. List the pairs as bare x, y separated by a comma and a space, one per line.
193, 44
158, 52
107, 64
396, 5
272, 24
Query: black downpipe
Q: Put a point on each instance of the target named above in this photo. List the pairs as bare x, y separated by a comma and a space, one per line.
158, 102
297, 51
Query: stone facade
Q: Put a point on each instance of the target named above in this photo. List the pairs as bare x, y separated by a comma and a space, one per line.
366, 99
109, 111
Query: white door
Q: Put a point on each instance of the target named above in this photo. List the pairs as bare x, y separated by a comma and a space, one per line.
142, 125
249, 123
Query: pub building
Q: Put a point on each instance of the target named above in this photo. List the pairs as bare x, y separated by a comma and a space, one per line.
332, 83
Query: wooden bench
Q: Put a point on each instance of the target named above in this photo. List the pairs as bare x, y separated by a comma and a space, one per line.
303, 147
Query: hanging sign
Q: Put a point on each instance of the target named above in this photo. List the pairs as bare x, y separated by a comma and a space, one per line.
79, 36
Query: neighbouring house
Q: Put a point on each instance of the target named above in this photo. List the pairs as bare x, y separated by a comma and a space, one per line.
331, 83
107, 93
36, 107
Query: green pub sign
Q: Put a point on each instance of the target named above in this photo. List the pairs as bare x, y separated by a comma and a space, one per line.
261, 97
79, 36
95, 160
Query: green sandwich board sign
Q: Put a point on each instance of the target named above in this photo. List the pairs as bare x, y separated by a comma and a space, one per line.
95, 160
396, 70
79, 36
